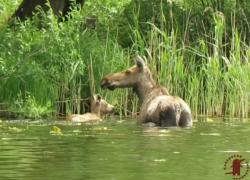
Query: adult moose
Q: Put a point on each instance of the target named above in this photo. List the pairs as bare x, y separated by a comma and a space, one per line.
158, 106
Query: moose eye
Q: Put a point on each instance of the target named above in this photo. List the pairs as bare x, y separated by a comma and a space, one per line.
127, 72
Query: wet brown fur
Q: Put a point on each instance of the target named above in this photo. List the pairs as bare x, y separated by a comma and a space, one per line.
157, 104
99, 107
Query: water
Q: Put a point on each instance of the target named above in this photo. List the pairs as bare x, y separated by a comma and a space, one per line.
121, 150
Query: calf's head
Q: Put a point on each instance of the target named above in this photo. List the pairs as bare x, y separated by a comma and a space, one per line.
100, 106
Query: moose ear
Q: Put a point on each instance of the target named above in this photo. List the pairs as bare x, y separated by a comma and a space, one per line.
140, 62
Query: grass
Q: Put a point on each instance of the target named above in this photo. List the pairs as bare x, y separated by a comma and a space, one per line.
209, 80
61, 65
52, 64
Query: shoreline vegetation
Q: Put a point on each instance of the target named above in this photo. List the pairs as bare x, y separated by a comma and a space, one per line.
199, 51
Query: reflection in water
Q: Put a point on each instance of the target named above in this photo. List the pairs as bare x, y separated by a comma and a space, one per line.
120, 150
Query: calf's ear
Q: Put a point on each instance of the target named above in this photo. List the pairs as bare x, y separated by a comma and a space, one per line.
140, 62
99, 97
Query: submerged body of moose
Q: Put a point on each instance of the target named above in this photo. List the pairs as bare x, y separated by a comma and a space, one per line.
158, 106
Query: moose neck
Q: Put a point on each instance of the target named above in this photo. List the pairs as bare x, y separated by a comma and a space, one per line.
144, 88
96, 111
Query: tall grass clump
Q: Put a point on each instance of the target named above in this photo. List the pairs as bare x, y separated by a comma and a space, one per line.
200, 55
50, 60
209, 73
226, 89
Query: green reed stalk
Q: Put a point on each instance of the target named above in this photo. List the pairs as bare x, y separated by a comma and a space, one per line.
51, 64
208, 85
49, 68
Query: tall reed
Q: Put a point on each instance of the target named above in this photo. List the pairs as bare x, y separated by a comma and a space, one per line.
61, 64
52, 63
212, 82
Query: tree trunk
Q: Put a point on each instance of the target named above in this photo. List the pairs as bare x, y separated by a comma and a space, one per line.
28, 7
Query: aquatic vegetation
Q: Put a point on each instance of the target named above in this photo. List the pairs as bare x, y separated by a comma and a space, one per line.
14, 129
56, 131
210, 134
201, 55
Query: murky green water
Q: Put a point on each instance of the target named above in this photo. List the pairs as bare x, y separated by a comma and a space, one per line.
121, 150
